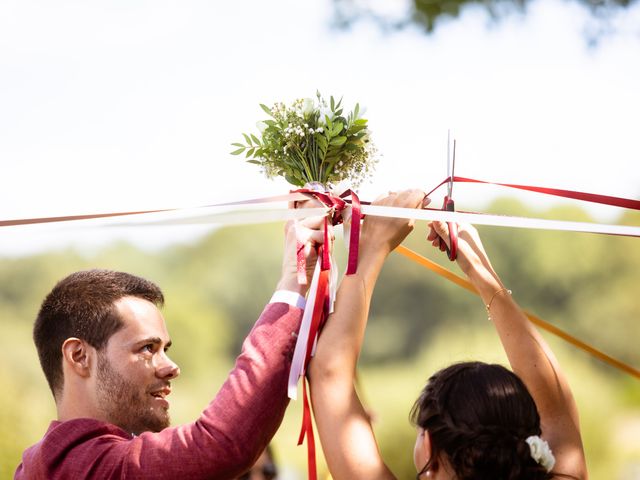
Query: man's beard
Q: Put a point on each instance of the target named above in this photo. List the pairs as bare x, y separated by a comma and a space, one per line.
125, 404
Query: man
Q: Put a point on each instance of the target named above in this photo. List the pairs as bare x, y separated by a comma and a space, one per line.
103, 345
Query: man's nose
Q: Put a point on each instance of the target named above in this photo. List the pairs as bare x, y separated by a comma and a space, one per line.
167, 368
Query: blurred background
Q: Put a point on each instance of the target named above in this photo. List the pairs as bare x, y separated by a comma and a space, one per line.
132, 105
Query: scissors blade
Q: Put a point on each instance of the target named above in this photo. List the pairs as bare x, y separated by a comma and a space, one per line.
449, 163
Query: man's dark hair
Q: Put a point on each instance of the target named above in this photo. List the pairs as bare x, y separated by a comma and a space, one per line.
82, 305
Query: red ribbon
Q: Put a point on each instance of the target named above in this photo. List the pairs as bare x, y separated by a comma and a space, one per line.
307, 431
354, 235
558, 192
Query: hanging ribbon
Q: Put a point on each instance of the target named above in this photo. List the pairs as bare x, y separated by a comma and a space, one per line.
354, 233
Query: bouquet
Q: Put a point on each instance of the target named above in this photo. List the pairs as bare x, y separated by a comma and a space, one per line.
312, 141
309, 143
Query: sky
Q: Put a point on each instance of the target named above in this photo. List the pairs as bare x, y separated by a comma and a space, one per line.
127, 105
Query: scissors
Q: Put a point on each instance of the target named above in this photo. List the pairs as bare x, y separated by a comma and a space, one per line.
448, 204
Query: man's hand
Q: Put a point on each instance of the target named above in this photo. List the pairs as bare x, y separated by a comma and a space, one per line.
309, 232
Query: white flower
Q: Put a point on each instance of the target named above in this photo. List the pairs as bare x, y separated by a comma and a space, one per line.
325, 112
261, 126
307, 106
541, 452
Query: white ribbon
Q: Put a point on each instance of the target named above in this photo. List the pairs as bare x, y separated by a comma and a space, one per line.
297, 364
261, 210
243, 215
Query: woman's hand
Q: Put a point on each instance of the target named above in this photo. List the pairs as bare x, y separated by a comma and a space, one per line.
386, 233
471, 255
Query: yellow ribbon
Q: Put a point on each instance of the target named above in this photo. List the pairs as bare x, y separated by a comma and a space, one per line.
458, 280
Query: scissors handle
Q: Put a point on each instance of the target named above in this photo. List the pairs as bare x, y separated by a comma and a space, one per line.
452, 249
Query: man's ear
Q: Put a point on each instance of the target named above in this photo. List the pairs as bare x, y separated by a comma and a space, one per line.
78, 356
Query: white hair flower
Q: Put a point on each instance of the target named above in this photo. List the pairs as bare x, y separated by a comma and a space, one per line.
541, 452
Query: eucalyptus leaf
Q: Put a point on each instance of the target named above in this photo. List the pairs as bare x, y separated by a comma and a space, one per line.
321, 140
338, 140
246, 137
255, 139
266, 109
355, 129
328, 122
293, 181
256, 162
238, 151
250, 152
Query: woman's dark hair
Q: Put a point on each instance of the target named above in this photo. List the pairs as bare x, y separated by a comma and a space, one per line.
478, 416
82, 305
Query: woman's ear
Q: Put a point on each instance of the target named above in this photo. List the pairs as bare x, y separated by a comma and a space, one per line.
77, 356
427, 451
422, 454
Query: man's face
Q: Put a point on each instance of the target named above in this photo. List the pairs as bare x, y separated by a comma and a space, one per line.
134, 371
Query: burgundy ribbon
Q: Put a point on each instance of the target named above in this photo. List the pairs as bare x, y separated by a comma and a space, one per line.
307, 431
354, 235
558, 192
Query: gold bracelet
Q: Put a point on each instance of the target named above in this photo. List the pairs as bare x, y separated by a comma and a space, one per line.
488, 305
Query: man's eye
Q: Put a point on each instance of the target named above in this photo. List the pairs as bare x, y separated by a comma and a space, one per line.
148, 348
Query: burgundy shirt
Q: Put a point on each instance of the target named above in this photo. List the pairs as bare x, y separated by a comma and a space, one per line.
225, 441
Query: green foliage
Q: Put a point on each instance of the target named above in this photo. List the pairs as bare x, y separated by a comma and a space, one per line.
216, 288
425, 14
309, 142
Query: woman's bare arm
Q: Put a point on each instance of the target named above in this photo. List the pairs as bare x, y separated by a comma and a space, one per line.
529, 354
345, 432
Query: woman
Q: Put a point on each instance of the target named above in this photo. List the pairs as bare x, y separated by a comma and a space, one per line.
474, 421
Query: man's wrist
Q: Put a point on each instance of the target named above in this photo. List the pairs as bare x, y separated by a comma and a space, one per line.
292, 298
290, 283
